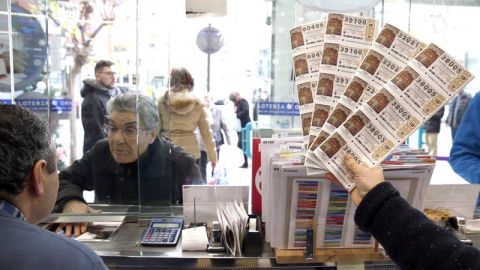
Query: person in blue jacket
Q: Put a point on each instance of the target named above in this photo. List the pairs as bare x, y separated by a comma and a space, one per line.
465, 152
28, 188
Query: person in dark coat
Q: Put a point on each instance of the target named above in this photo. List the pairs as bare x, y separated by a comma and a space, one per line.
432, 128
243, 114
96, 93
410, 239
123, 171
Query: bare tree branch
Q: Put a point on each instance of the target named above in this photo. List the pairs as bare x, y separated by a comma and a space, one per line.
94, 34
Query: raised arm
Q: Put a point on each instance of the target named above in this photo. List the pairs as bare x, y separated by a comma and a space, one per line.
408, 236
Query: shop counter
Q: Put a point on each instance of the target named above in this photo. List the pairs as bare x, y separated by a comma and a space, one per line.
119, 247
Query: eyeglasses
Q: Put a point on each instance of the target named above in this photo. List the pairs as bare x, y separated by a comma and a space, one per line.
128, 131
109, 73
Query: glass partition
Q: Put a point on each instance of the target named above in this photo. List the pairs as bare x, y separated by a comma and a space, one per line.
49, 49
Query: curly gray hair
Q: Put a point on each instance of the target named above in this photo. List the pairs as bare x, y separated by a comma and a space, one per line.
137, 103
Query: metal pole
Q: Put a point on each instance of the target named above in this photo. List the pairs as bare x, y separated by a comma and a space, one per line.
209, 40
10, 51
208, 72
409, 14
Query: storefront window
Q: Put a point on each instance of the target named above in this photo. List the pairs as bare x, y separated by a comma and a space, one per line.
50, 48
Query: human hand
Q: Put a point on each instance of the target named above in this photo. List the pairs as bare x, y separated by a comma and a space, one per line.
75, 207
365, 178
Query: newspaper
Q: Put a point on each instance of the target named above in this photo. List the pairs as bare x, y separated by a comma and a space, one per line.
307, 47
390, 52
347, 39
233, 219
405, 102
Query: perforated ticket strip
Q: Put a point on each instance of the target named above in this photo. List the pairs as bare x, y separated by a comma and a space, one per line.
390, 52
307, 47
397, 110
347, 39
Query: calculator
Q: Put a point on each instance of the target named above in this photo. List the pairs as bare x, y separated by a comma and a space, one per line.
163, 232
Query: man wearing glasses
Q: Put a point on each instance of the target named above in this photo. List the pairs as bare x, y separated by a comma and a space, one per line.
122, 170
96, 93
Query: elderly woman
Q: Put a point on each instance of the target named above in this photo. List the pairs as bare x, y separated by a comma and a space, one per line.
182, 112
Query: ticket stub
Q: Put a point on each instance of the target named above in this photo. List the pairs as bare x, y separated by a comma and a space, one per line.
332, 153
397, 44
441, 69
320, 114
307, 35
305, 101
343, 28
341, 59
328, 89
392, 114
306, 62
367, 138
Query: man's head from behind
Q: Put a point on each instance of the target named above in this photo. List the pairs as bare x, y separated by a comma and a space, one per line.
28, 172
234, 97
123, 127
105, 73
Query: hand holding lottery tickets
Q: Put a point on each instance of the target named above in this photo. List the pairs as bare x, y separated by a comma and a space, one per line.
365, 178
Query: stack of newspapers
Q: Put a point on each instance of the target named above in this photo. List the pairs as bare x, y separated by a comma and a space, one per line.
362, 93
233, 219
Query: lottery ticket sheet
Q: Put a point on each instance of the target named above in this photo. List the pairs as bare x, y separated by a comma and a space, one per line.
307, 48
346, 41
404, 103
389, 53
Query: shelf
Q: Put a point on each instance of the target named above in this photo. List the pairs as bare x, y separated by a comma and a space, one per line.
342, 255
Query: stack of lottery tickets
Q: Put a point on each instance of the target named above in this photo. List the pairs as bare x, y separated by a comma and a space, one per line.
363, 94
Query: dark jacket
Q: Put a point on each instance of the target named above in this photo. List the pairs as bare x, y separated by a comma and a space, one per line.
94, 110
243, 112
410, 239
432, 125
164, 168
